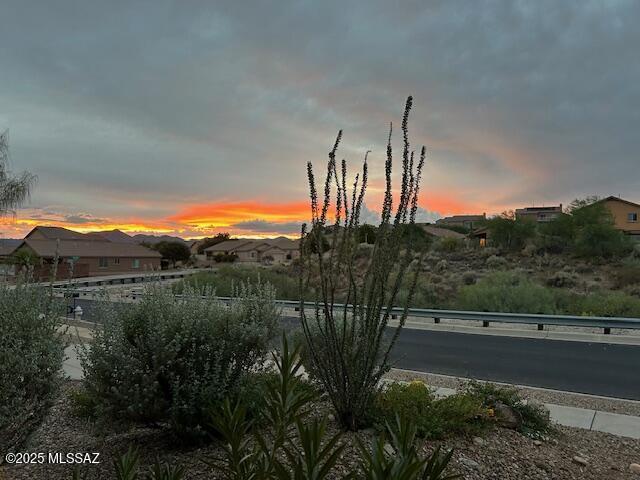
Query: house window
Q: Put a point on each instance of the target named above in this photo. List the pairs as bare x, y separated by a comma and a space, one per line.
103, 262
135, 263
632, 217
116, 261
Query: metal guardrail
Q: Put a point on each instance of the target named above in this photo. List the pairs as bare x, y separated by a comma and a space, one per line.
606, 323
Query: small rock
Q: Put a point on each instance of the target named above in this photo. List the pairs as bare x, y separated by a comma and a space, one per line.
480, 442
507, 417
467, 462
542, 465
389, 450
580, 460
537, 443
634, 468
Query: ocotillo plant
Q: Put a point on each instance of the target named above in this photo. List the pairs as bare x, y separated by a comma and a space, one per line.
348, 344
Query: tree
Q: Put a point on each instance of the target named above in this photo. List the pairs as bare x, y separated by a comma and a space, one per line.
587, 228
348, 346
210, 242
510, 232
367, 234
24, 258
14, 190
173, 251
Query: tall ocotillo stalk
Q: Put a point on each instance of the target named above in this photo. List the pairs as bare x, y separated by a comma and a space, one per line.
348, 345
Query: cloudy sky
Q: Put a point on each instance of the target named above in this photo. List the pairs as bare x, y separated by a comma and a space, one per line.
196, 117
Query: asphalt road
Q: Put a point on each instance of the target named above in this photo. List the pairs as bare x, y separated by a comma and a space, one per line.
610, 370
596, 368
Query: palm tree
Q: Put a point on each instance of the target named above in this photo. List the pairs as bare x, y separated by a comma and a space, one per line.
14, 190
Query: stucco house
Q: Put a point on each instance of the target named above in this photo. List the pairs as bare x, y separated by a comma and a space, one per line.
625, 214
85, 255
539, 214
268, 250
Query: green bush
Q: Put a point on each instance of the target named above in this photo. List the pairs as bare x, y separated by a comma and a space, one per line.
31, 354
535, 418
506, 292
449, 244
166, 359
225, 278
627, 274
495, 262
603, 304
432, 417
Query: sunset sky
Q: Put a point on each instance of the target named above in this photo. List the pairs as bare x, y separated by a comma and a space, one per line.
195, 117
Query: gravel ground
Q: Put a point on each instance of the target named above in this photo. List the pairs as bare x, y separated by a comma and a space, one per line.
500, 454
626, 407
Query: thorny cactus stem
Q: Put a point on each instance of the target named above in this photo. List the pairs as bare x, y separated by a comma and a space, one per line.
347, 344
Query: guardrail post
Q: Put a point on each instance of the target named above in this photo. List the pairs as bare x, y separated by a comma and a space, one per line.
541, 326
436, 320
485, 323
607, 330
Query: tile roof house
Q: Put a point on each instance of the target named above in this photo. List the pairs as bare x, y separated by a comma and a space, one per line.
268, 250
82, 255
441, 232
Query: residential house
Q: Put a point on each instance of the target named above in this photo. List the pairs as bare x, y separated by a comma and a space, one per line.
85, 255
438, 232
268, 250
539, 214
625, 214
465, 221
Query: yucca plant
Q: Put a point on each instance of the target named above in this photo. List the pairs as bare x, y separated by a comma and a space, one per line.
347, 344
314, 458
404, 462
126, 466
288, 448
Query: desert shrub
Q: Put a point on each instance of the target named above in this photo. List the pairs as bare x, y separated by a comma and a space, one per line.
562, 279
469, 278
432, 417
165, 359
227, 277
495, 262
602, 303
441, 266
449, 244
627, 274
506, 292
31, 355
535, 420
225, 257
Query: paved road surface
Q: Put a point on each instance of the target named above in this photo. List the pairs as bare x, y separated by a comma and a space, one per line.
595, 368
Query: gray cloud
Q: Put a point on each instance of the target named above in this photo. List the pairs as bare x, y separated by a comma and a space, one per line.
169, 103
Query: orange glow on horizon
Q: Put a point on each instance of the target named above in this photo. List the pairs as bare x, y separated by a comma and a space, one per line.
227, 214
